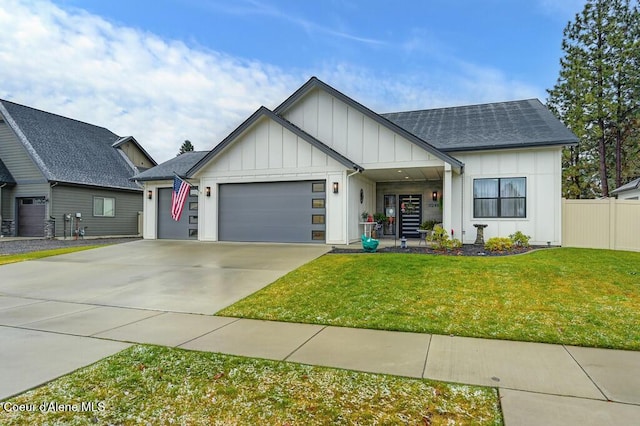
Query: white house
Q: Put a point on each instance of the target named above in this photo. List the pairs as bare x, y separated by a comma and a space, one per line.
306, 171
628, 191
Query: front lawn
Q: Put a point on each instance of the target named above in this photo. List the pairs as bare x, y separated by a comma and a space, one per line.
21, 257
155, 385
570, 296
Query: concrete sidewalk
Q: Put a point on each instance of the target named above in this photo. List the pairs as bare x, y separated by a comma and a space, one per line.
538, 383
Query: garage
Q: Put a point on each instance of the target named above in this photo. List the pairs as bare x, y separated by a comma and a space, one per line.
184, 229
291, 212
31, 217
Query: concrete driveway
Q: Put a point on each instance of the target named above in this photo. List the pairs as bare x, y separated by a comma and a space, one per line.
56, 313
177, 276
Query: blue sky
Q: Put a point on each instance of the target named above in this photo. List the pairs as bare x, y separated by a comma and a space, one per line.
168, 70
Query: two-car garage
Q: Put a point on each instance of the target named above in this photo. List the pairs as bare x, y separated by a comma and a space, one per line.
291, 212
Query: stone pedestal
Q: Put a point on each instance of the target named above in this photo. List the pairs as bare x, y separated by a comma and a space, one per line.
479, 234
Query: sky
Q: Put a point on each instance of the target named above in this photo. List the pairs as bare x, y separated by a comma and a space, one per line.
165, 71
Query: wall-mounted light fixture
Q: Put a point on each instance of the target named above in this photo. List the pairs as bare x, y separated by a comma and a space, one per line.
149, 194
207, 191
434, 195
335, 187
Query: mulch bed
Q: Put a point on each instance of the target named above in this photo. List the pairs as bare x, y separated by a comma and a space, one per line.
465, 250
18, 246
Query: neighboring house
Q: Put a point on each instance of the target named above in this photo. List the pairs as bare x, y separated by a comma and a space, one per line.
306, 171
58, 175
629, 191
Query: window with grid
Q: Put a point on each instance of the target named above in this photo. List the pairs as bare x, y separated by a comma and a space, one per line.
500, 197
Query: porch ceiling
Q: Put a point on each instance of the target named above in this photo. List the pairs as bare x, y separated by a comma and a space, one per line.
404, 174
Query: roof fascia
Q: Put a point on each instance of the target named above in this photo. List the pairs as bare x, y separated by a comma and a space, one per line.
249, 122
314, 82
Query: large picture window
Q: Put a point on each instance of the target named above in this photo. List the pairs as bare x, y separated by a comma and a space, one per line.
500, 197
104, 206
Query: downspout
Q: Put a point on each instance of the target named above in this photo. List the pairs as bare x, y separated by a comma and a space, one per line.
53, 185
1, 186
346, 227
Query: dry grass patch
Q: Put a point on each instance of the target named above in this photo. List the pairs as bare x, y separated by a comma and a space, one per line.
13, 258
155, 385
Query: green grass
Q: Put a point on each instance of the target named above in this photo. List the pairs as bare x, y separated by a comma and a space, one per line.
13, 258
155, 385
571, 296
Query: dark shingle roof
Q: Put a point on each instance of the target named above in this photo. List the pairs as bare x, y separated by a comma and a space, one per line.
68, 150
634, 184
5, 176
525, 123
179, 165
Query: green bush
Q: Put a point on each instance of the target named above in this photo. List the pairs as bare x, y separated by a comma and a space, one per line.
519, 239
441, 241
428, 224
498, 244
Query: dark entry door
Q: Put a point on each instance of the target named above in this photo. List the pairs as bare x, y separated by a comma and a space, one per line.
31, 217
410, 215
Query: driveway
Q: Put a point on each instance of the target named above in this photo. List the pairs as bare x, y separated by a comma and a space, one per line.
176, 276
60, 313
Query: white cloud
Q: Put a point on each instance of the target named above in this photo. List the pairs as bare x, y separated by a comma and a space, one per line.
162, 91
129, 81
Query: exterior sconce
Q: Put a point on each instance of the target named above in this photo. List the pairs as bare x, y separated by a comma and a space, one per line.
208, 191
335, 187
149, 194
434, 195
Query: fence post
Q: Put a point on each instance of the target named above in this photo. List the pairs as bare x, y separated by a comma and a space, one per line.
612, 223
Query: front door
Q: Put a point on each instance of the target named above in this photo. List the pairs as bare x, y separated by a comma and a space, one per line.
410, 215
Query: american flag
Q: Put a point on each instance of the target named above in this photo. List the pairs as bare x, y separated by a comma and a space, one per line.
178, 197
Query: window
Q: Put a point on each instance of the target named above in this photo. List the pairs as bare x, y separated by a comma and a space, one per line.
317, 187
317, 203
317, 219
104, 206
500, 197
317, 235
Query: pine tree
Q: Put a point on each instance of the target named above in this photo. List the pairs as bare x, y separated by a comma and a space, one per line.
186, 146
597, 96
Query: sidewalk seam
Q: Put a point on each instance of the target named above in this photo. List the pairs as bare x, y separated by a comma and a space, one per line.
426, 356
587, 374
304, 343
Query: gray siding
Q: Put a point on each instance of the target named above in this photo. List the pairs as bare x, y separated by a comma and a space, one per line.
71, 199
16, 159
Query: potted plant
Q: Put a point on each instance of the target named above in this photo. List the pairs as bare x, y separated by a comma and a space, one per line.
364, 216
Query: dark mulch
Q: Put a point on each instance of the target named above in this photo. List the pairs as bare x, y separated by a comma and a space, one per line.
465, 250
29, 245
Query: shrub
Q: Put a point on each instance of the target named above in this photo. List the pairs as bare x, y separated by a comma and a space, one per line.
428, 224
498, 244
519, 239
441, 240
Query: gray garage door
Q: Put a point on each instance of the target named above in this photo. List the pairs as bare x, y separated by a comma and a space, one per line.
292, 212
31, 217
187, 227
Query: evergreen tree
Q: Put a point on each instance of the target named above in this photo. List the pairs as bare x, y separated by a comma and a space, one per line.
186, 146
597, 97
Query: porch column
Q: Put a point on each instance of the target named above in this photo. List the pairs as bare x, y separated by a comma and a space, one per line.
447, 194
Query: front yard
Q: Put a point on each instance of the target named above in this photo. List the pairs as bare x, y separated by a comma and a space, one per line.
570, 296
155, 385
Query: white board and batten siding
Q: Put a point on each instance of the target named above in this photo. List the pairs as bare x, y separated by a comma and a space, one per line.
542, 169
355, 135
268, 152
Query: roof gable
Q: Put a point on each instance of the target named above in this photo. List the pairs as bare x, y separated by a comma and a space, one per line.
515, 124
248, 123
315, 83
68, 150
